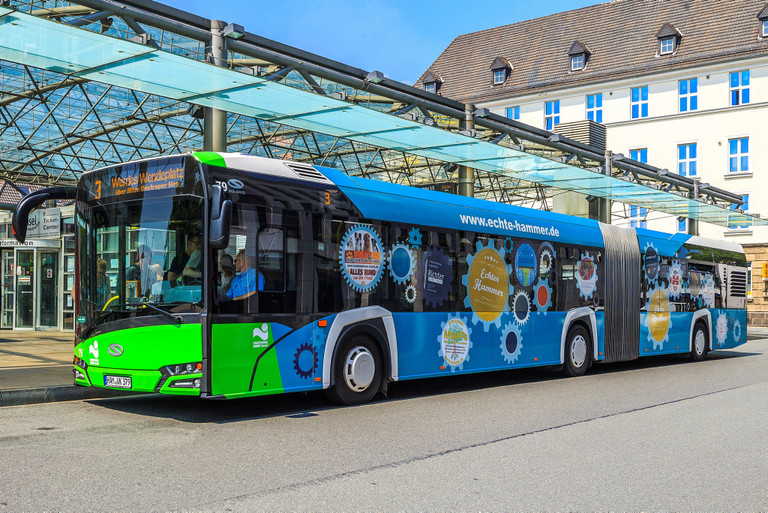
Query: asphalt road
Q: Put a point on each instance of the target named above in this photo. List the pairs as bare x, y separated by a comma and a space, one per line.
658, 434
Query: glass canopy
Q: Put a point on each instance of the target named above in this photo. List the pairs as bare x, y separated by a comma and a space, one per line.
28, 40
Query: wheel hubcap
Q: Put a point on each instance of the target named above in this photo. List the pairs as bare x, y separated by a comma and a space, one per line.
699, 342
359, 369
578, 351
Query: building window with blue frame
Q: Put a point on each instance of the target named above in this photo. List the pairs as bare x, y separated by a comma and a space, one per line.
686, 159
639, 154
732, 219
689, 94
513, 112
739, 87
551, 114
639, 102
595, 107
738, 155
682, 226
637, 216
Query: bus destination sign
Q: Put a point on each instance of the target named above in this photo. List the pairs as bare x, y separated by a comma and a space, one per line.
139, 178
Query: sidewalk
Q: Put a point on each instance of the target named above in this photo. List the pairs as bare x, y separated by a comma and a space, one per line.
36, 367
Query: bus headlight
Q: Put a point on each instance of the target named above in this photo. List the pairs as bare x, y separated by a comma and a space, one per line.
184, 368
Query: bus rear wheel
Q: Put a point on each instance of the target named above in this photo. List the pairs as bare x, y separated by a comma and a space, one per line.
357, 371
699, 342
577, 351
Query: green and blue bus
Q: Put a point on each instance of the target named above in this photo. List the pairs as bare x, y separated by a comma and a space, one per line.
347, 284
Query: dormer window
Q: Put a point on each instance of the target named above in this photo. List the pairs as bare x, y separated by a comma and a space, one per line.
764, 28
669, 39
579, 55
500, 69
432, 82
763, 17
577, 62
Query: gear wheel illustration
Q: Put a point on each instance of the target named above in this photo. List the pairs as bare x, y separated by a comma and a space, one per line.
737, 331
414, 237
650, 263
586, 275
522, 307
708, 290
305, 361
402, 262
658, 320
435, 276
455, 342
487, 318
509, 244
511, 343
721, 329
546, 258
348, 245
542, 295
410, 293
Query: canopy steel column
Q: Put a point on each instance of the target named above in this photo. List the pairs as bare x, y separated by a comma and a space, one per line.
693, 224
215, 120
467, 174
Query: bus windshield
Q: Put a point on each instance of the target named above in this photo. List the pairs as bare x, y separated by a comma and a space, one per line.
138, 257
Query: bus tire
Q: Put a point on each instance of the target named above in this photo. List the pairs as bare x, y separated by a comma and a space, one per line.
699, 342
577, 351
357, 371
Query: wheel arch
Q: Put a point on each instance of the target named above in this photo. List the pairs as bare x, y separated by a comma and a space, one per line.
373, 321
701, 316
586, 317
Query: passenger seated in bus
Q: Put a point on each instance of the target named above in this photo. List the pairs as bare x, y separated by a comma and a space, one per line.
192, 269
103, 287
227, 269
143, 271
244, 284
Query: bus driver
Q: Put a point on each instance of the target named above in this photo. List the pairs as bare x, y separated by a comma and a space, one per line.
244, 284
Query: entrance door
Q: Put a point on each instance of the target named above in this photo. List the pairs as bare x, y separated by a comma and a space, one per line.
47, 290
8, 283
25, 276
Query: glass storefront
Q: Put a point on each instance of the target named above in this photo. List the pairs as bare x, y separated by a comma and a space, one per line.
36, 278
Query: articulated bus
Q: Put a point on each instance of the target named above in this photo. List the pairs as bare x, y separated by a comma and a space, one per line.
347, 284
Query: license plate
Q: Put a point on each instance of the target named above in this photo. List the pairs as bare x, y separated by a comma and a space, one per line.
117, 381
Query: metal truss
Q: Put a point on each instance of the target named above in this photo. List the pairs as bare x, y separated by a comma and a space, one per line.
53, 126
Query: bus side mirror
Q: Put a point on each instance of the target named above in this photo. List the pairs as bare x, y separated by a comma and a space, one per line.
33, 200
221, 218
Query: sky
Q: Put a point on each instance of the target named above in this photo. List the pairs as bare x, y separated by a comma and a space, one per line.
400, 38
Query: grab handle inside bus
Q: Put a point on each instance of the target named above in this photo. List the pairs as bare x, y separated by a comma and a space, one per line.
33, 200
221, 217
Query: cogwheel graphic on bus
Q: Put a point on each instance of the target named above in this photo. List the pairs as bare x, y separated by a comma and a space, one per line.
487, 284
509, 244
401, 263
410, 293
675, 288
511, 343
737, 331
708, 290
586, 275
361, 256
526, 264
454, 342
721, 329
521, 307
434, 276
658, 320
546, 258
414, 237
651, 262
542, 295
305, 361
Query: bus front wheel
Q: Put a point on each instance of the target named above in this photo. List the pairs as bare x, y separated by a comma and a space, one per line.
699, 343
357, 371
577, 351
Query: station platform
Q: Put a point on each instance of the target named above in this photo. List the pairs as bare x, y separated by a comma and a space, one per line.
36, 366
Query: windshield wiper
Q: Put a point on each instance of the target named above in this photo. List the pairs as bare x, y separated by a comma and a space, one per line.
178, 319
99, 318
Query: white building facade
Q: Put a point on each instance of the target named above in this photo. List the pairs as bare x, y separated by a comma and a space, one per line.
679, 84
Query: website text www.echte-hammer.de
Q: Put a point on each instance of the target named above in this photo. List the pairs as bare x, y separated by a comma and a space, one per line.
503, 224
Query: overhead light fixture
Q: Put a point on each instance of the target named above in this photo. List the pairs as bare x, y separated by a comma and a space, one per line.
233, 31
481, 113
196, 111
618, 157
429, 121
375, 77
